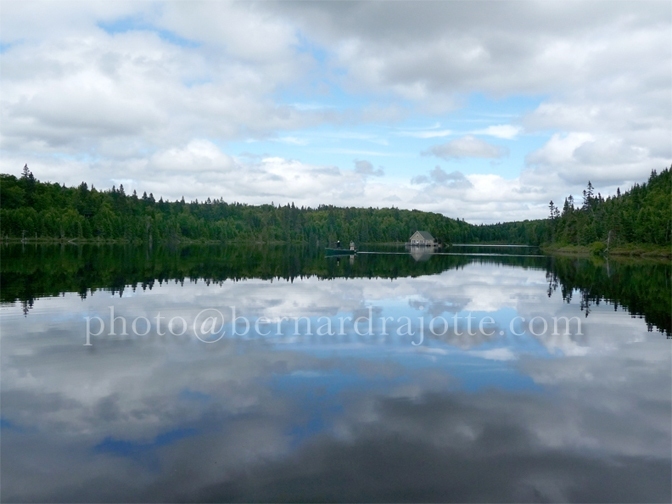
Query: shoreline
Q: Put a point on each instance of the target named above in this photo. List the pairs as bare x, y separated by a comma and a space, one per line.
644, 251
636, 251
123, 241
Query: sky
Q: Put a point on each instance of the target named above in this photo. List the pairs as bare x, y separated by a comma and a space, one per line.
483, 111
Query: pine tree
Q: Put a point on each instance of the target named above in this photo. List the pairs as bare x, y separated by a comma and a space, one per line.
551, 208
27, 175
588, 196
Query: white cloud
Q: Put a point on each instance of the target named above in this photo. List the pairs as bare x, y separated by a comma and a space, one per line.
88, 91
135, 102
532, 46
559, 149
603, 69
506, 131
249, 35
200, 169
467, 146
578, 157
427, 133
293, 140
497, 354
440, 177
197, 157
365, 168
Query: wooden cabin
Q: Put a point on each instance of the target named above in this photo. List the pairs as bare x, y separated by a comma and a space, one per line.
422, 239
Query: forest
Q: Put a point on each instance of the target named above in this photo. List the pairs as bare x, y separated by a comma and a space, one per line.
35, 210
641, 215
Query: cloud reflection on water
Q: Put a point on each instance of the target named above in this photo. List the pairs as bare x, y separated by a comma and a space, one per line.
459, 418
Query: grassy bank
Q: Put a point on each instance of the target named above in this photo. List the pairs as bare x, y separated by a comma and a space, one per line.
598, 248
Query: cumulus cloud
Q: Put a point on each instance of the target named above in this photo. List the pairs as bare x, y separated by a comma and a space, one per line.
467, 147
508, 47
603, 68
578, 157
124, 83
200, 170
439, 176
198, 156
365, 168
107, 91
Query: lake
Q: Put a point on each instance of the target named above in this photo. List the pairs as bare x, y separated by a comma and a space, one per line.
211, 374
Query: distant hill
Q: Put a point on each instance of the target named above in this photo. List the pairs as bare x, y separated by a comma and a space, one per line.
32, 209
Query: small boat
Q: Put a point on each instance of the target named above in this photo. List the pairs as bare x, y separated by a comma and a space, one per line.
337, 250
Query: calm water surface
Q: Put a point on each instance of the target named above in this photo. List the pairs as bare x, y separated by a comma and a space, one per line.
324, 409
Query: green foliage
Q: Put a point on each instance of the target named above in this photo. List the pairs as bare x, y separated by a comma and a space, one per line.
33, 209
56, 212
641, 215
527, 232
598, 248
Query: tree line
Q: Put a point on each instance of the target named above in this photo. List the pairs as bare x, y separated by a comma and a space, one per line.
33, 209
641, 215
30, 209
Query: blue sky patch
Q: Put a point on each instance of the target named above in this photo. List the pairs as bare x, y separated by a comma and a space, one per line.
126, 25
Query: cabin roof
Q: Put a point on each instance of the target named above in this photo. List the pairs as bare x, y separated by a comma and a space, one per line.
426, 235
